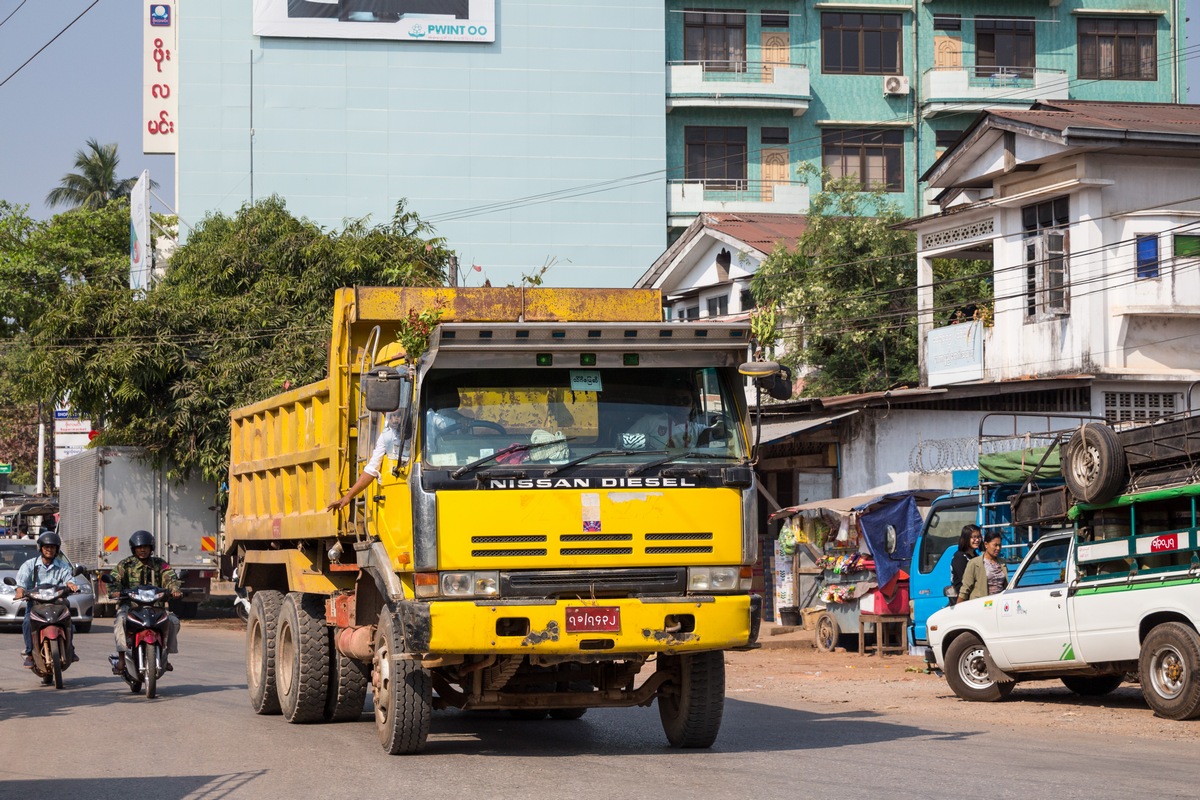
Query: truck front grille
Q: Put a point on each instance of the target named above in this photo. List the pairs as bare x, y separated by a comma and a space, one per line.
594, 583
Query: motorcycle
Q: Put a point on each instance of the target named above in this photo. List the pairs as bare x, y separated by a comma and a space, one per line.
147, 629
50, 624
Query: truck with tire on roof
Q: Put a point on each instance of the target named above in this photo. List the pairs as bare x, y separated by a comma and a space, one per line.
1115, 595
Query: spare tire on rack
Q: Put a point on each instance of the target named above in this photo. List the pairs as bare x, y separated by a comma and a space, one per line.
1093, 463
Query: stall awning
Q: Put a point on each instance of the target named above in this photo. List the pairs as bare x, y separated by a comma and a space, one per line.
844, 505
776, 431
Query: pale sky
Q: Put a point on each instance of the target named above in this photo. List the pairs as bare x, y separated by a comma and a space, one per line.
87, 84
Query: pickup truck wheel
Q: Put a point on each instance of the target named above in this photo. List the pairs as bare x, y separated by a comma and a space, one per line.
1094, 463
403, 693
967, 672
349, 681
1170, 671
827, 633
1092, 685
694, 703
302, 658
260, 651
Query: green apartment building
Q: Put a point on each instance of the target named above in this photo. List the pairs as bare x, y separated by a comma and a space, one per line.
879, 89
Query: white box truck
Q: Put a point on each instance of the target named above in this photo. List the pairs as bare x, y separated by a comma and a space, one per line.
107, 493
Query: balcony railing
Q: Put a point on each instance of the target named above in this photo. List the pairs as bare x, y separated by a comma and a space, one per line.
964, 87
691, 197
742, 84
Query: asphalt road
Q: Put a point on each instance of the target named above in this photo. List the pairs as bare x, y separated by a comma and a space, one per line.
199, 739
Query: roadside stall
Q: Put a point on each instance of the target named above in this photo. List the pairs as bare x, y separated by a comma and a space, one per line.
851, 562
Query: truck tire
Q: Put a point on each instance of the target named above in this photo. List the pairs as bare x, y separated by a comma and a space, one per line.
967, 672
1170, 671
691, 713
1094, 463
260, 651
403, 694
1093, 685
302, 658
349, 680
827, 633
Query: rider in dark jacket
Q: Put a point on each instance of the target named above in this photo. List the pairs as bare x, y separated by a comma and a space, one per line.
142, 568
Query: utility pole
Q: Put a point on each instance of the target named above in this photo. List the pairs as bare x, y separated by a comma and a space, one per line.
41, 460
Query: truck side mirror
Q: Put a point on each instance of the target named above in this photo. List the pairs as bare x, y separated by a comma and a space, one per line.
386, 389
779, 385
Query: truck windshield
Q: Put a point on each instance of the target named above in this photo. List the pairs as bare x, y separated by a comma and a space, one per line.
599, 415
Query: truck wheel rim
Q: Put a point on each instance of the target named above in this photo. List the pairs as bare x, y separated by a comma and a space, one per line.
383, 690
286, 648
1168, 673
972, 668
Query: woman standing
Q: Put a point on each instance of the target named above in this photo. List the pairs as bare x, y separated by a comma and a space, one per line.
985, 574
969, 542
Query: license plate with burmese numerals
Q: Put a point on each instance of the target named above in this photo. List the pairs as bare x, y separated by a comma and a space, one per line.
593, 619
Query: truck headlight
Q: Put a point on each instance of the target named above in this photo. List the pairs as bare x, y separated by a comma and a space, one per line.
714, 579
485, 583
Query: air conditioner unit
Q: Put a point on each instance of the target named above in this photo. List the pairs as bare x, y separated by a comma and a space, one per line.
895, 84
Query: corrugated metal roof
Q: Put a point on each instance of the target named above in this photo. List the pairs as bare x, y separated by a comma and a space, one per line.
1141, 117
761, 231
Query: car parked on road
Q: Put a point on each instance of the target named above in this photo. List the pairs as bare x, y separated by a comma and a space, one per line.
14, 553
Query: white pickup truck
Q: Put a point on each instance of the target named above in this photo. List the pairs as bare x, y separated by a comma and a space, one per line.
1118, 595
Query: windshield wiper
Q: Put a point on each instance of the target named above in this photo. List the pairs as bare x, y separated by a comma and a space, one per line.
678, 457
590, 456
512, 448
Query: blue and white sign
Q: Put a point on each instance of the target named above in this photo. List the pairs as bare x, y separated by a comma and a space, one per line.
955, 353
406, 20
160, 15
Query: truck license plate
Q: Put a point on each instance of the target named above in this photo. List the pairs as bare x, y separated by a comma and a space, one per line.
593, 619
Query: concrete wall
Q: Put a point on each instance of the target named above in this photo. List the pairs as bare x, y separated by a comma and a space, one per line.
568, 97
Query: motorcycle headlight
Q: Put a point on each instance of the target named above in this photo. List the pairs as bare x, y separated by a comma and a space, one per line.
44, 595
144, 595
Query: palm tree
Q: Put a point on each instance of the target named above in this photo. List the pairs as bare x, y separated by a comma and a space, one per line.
96, 181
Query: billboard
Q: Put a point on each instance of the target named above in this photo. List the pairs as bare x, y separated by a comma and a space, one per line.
402, 20
955, 353
141, 259
160, 78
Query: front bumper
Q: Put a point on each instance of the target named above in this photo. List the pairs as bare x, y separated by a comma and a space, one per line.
647, 625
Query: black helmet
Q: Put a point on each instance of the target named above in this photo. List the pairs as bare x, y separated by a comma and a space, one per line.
49, 538
141, 539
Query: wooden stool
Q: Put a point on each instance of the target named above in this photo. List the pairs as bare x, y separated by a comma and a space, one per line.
889, 633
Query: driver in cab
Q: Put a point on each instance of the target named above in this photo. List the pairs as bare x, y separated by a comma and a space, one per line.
669, 428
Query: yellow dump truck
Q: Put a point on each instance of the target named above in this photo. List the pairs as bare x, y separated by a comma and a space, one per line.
564, 518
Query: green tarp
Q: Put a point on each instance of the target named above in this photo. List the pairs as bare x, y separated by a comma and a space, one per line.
1138, 497
1016, 465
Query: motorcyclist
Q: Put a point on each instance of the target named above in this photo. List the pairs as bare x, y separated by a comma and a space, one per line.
139, 569
49, 566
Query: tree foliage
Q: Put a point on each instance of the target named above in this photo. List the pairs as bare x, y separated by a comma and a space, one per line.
96, 181
244, 311
850, 283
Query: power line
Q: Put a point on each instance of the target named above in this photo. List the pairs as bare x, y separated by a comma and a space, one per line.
15, 10
1172, 57
47, 44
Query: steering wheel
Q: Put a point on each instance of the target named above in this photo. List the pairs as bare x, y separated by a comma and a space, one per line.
467, 425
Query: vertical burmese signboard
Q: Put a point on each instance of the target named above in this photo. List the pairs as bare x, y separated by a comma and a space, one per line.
160, 78
408, 20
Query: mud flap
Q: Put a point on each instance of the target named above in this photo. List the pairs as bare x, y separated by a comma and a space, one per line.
994, 672
415, 623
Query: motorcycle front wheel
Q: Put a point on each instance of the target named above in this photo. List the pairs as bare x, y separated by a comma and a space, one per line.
53, 661
150, 661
